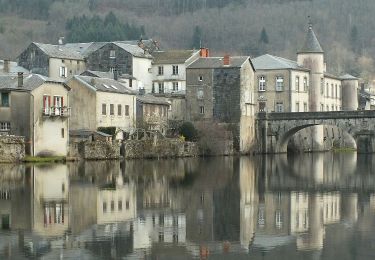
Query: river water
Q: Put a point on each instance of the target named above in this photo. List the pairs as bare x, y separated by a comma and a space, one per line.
311, 206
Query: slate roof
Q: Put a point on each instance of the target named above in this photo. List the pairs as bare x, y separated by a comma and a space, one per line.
85, 49
270, 62
60, 51
217, 62
172, 56
133, 49
149, 99
311, 44
329, 75
105, 85
348, 77
98, 74
13, 68
30, 82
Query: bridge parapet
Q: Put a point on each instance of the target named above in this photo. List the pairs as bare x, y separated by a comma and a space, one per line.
316, 115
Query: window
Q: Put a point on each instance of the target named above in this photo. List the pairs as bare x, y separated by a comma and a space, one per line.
322, 86
304, 83
321, 107
262, 83
174, 69
127, 204
327, 90
161, 87
4, 102
200, 94
112, 205
201, 109
111, 109
336, 91
119, 206
112, 69
327, 108
175, 86
58, 104
160, 70
119, 110
279, 83
297, 84
279, 107
62, 72
104, 109
153, 88
126, 110
332, 91
62, 133
112, 54
200, 78
297, 106
304, 107
104, 207
130, 83
278, 219
332, 108
46, 104
4, 126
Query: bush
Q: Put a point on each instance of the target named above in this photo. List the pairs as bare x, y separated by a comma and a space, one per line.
188, 130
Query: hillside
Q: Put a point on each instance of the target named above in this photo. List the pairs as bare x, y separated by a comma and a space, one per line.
251, 27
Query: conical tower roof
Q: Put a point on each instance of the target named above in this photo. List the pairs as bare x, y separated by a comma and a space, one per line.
311, 44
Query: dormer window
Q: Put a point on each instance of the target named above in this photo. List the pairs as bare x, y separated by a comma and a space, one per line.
112, 54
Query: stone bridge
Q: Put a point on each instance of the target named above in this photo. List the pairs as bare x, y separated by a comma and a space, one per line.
275, 129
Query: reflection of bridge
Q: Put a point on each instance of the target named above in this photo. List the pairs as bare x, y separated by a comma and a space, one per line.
275, 129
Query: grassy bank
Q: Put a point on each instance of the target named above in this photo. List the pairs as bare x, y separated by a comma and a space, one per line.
341, 150
50, 159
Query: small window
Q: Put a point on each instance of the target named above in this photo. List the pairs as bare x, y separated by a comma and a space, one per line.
321, 86
153, 88
200, 78
119, 205
175, 86
126, 110
327, 90
130, 83
62, 133
111, 109
63, 72
112, 54
279, 107
279, 83
297, 84
304, 107
200, 94
119, 110
160, 70
332, 91
262, 83
297, 106
112, 205
127, 204
104, 109
4, 102
305, 84
174, 69
201, 109
161, 87
104, 207
4, 126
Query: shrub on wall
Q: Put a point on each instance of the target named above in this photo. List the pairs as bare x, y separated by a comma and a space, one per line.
188, 131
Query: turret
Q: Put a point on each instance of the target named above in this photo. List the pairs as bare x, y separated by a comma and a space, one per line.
349, 87
311, 56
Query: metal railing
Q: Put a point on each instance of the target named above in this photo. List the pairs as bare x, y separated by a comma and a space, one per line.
56, 111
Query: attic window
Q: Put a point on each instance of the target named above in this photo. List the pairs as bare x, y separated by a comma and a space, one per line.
106, 86
112, 54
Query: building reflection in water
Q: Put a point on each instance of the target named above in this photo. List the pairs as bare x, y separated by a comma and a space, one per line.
268, 207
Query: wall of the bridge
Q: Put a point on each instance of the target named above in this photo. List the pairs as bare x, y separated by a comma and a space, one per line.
274, 130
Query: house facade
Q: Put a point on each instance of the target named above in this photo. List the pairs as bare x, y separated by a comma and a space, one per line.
152, 113
222, 90
37, 108
104, 103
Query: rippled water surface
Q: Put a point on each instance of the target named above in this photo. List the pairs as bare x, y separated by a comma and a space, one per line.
315, 206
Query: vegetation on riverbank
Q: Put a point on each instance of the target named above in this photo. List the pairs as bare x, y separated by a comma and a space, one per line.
48, 159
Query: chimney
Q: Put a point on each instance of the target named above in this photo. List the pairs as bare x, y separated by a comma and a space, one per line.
115, 74
6, 67
226, 60
204, 52
61, 40
20, 79
141, 91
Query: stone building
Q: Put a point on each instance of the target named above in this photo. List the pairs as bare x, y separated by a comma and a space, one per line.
37, 108
102, 102
221, 90
152, 113
58, 62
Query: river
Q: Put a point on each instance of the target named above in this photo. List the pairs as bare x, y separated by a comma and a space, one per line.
309, 206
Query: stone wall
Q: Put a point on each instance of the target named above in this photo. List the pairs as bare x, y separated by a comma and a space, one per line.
12, 148
94, 150
163, 148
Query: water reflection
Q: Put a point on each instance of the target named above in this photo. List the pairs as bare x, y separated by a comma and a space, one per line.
311, 206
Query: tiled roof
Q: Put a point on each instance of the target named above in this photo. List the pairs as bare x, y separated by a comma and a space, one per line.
105, 85
133, 49
30, 82
149, 99
311, 44
172, 56
348, 77
217, 62
270, 62
60, 51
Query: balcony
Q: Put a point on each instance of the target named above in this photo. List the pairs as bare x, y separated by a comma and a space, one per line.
56, 111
